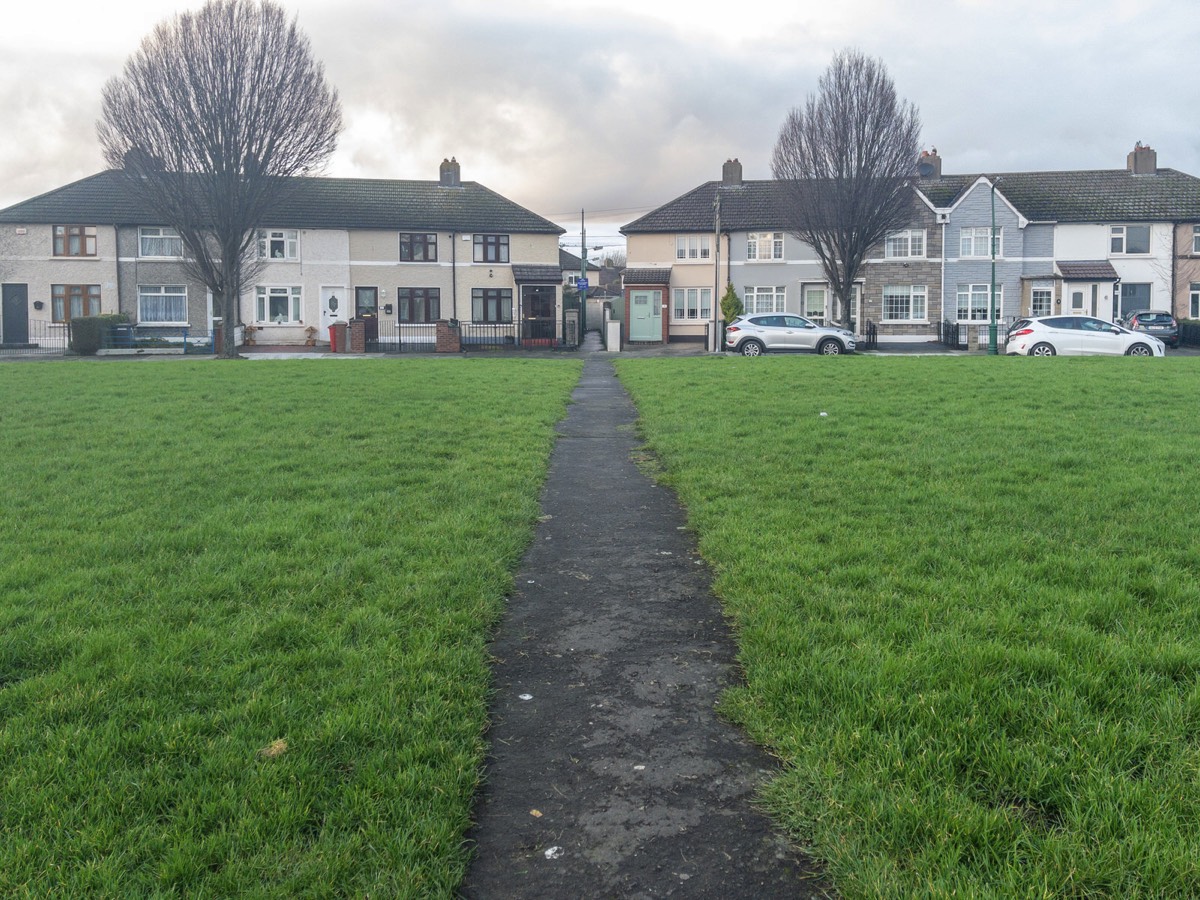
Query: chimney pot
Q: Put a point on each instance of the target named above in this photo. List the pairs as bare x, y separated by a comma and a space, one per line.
731, 173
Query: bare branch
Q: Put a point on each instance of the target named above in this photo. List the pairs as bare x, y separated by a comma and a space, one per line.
212, 116
844, 163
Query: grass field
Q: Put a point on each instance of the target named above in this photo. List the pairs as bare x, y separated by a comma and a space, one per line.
968, 605
243, 614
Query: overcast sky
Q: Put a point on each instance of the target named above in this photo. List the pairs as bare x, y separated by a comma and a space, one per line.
620, 106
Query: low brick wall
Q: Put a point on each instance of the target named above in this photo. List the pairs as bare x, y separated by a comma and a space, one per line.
449, 340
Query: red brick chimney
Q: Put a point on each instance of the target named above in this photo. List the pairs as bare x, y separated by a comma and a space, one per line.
1142, 160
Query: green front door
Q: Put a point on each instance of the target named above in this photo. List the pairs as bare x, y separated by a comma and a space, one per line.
645, 315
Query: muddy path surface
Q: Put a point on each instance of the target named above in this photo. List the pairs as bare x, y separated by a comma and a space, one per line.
609, 772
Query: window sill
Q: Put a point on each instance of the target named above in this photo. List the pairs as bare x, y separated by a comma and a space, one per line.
142, 324
903, 321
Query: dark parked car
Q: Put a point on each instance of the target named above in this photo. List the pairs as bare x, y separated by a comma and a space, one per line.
1157, 322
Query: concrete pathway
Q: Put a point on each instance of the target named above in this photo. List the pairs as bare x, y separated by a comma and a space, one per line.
610, 774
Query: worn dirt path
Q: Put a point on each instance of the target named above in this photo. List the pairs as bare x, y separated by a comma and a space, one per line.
610, 774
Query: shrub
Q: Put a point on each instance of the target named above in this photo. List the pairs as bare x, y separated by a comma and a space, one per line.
87, 332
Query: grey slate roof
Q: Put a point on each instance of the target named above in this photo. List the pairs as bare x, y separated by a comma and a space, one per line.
1087, 270
1113, 195
529, 273
750, 205
647, 276
349, 203
570, 262
1108, 195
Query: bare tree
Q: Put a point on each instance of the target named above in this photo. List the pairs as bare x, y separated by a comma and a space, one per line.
211, 117
844, 163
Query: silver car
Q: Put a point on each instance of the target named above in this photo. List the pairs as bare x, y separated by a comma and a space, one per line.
1078, 336
754, 335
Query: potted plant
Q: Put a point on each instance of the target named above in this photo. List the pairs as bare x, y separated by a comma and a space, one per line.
310, 336
249, 332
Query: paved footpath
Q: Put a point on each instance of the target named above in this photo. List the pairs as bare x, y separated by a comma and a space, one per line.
610, 774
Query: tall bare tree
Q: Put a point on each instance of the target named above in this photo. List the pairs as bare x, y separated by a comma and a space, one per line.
211, 117
844, 163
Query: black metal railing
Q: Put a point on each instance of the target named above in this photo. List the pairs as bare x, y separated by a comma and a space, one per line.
39, 339
948, 333
870, 336
403, 337
163, 338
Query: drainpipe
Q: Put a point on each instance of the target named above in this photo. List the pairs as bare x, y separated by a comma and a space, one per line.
454, 275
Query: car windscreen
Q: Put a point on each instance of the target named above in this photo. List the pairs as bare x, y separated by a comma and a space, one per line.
1155, 319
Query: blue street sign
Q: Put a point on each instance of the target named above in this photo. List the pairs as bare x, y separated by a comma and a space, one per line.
582, 284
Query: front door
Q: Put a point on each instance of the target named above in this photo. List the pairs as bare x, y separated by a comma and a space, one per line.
334, 308
16, 314
538, 314
645, 315
366, 307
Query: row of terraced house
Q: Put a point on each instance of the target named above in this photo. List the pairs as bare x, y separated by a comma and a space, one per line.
413, 253
1101, 243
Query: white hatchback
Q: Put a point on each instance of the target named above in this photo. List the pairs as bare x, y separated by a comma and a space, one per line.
1078, 336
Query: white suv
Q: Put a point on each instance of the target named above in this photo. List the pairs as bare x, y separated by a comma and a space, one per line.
756, 334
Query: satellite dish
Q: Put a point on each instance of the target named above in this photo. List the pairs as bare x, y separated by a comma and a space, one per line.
925, 169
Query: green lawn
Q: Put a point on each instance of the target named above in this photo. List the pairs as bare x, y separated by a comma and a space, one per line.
968, 605
243, 617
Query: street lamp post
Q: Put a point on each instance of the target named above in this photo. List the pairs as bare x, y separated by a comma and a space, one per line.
992, 348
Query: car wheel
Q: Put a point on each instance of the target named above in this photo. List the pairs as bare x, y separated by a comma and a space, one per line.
751, 348
1139, 350
829, 348
1042, 349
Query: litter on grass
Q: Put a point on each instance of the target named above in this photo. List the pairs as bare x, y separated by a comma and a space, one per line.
554, 853
525, 696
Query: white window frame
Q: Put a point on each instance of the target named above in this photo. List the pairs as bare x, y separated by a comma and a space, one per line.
288, 238
916, 297
972, 293
160, 292
693, 247
1196, 239
691, 304
1119, 235
162, 234
266, 292
973, 242
1048, 291
908, 244
764, 299
1194, 301
764, 245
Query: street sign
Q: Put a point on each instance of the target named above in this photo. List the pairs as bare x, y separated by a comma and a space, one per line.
582, 284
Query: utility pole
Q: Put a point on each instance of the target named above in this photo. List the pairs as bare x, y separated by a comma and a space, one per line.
583, 284
716, 339
992, 348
